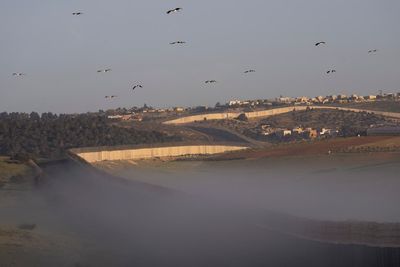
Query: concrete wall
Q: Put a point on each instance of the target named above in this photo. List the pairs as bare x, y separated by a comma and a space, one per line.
269, 112
272, 112
157, 152
202, 117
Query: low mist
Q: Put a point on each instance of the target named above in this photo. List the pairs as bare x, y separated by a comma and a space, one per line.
208, 214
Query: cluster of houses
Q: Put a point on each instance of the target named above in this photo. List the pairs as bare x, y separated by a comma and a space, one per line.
240, 103
303, 100
309, 133
126, 117
163, 110
136, 114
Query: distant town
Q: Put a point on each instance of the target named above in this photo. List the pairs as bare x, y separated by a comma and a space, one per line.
136, 113
256, 123
300, 125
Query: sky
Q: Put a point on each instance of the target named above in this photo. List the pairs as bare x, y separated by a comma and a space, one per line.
61, 53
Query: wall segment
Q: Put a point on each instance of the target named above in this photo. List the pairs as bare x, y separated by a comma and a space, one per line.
270, 112
155, 152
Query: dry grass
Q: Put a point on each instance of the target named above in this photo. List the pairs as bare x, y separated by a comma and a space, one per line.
9, 170
387, 106
20, 247
337, 145
390, 142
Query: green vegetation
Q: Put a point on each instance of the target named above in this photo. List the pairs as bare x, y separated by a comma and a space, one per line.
30, 136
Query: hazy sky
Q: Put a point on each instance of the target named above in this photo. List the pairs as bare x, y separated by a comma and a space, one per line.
61, 53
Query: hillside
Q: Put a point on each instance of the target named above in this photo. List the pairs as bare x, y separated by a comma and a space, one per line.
30, 136
12, 171
386, 106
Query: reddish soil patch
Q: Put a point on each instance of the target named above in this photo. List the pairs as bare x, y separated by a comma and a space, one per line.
305, 148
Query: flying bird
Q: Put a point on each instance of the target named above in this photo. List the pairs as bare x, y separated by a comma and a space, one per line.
372, 51
104, 71
330, 71
110, 96
211, 81
18, 74
137, 86
177, 42
320, 43
249, 71
77, 13
174, 10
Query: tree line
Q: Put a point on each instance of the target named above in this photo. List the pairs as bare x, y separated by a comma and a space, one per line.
49, 135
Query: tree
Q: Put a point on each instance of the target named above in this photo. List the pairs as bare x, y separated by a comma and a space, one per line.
49, 136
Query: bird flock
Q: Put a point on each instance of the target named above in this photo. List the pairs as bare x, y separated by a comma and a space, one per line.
331, 71
169, 12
